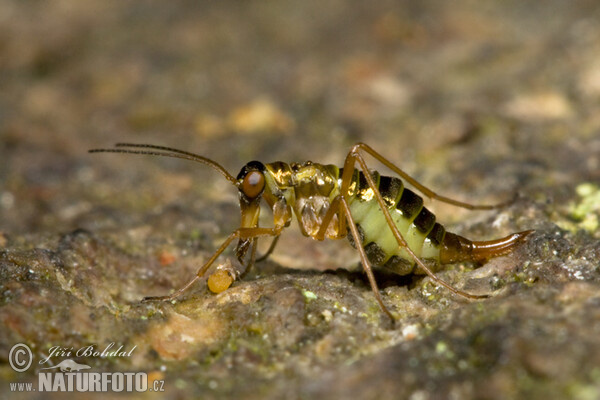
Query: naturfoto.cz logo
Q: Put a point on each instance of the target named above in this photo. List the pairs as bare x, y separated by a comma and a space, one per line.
71, 376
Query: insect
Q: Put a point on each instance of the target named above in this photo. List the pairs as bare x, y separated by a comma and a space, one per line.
386, 222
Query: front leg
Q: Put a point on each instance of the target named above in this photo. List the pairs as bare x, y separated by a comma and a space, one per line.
240, 233
334, 210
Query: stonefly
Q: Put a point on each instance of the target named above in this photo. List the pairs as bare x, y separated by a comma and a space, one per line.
387, 223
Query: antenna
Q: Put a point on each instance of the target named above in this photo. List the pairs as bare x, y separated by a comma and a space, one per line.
168, 152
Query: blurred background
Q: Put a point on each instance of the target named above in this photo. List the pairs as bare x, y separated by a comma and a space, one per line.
476, 99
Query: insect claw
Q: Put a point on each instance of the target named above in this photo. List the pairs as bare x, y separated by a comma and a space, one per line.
479, 296
172, 296
150, 299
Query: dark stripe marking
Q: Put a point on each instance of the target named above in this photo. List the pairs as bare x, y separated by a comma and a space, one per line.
424, 221
361, 235
390, 189
363, 186
436, 236
410, 204
375, 254
399, 265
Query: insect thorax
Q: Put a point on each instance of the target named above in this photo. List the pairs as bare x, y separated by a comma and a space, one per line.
308, 189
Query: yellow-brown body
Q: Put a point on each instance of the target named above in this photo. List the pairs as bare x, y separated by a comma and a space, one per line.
386, 222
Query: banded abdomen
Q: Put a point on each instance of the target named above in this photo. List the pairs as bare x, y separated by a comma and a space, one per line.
426, 238
415, 222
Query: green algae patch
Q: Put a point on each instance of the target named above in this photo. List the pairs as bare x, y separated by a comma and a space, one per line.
584, 213
308, 295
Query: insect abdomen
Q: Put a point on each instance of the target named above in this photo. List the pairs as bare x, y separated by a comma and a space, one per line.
415, 222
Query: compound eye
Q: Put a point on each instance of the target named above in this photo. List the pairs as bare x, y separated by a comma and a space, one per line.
253, 184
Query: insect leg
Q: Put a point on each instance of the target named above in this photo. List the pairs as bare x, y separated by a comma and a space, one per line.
423, 189
240, 233
338, 205
269, 250
334, 209
252, 260
355, 157
174, 295
363, 257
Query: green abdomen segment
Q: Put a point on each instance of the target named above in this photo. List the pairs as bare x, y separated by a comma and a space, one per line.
416, 224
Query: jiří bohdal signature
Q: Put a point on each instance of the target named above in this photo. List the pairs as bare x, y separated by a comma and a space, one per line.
87, 351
